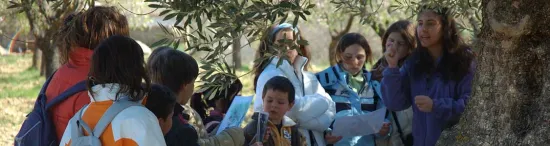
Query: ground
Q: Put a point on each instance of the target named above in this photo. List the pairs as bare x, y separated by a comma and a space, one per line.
19, 86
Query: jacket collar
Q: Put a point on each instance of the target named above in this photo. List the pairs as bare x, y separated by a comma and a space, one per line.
80, 57
106, 92
290, 69
287, 122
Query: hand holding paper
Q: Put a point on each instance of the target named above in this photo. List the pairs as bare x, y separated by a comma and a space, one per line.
358, 125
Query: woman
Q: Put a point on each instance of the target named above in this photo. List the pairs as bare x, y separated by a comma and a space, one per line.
400, 37
80, 35
436, 80
350, 85
116, 74
313, 120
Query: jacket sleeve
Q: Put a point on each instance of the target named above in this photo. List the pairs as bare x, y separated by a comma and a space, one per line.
262, 79
447, 107
314, 111
396, 88
249, 133
386, 119
228, 137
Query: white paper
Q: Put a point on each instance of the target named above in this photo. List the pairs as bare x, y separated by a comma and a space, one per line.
359, 125
236, 113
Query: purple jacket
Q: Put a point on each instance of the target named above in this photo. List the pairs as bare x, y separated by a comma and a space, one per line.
399, 89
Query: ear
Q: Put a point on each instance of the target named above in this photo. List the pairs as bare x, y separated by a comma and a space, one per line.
290, 105
161, 120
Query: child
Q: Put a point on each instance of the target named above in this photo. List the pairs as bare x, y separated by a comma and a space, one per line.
400, 37
116, 76
161, 102
278, 98
436, 80
314, 109
178, 71
220, 104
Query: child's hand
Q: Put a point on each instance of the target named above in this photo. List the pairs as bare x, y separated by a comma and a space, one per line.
332, 139
385, 129
257, 144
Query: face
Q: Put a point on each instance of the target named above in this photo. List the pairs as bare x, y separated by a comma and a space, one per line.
291, 54
429, 29
397, 42
166, 124
186, 92
353, 58
276, 104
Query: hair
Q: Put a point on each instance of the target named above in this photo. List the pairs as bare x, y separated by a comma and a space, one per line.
87, 29
201, 103
172, 68
353, 39
282, 84
161, 101
119, 59
406, 29
266, 47
457, 57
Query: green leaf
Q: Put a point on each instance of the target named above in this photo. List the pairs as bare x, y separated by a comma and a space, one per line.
284, 19
302, 42
179, 18
164, 12
156, 6
177, 44
307, 12
151, 0
160, 42
310, 6
169, 16
295, 23
199, 23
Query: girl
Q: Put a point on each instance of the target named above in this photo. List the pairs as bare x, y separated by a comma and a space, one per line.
436, 80
313, 120
400, 37
116, 74
350, 85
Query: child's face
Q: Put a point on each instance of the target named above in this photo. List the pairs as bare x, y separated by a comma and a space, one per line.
276, 104
166, 124
186, 92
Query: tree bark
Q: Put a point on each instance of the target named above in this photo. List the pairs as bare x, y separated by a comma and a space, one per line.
511, 91
35, 56
48, 65
237, 64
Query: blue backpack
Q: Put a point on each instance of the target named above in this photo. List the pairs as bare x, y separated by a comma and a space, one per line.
38, 129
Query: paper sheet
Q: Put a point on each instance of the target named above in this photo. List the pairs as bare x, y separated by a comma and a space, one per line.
236, 113
359, 125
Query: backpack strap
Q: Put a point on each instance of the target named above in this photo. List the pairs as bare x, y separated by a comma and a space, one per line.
109, 115
295, 136
394, 114
78, 87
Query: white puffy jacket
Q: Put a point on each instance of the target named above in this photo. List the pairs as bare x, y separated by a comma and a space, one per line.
313, 108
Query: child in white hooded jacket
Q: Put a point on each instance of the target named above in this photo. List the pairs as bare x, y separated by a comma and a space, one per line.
313, 110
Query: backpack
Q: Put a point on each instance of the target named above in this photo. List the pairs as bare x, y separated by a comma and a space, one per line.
38, 129
78, 125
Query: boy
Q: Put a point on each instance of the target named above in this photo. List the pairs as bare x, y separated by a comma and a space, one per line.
278, 98
178, 71
161, 102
